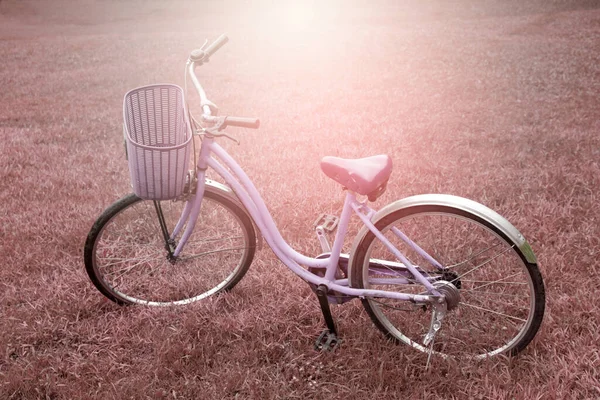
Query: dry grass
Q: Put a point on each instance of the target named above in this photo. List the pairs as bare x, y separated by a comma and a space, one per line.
495, 101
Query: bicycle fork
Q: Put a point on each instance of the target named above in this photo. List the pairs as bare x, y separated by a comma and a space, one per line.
189, 215
169, 242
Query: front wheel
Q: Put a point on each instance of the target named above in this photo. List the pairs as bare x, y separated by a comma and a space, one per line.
501, 293
126, 256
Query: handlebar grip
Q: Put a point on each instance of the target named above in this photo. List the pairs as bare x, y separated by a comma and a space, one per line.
216, 45
252, 123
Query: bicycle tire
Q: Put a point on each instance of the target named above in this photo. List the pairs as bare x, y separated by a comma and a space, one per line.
502, 297
126, 258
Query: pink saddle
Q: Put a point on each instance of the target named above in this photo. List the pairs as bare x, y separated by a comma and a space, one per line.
366, 176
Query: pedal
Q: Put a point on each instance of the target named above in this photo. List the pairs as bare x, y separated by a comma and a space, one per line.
327, 341
327, 221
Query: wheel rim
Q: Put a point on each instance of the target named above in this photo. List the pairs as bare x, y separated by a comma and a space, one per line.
497, 298
131, 261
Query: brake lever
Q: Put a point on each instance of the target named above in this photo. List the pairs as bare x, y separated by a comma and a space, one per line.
216, 130
233, 139
204, 45
214, 110
199, 56
221, 134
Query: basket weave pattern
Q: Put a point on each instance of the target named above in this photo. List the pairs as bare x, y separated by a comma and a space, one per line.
158, 137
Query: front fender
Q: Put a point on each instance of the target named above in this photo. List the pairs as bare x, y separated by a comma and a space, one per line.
224, 190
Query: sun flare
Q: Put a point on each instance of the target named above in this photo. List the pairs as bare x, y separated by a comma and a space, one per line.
298, 16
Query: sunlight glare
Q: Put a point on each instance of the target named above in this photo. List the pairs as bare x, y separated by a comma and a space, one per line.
298, 16
294, 19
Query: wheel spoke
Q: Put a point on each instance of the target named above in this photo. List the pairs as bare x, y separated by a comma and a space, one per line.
212, 252
484, 263
480, 293
493, 312
214, 239
503, 281
112, 272
472, 256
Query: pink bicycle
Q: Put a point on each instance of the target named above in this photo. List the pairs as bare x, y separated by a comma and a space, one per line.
442, 274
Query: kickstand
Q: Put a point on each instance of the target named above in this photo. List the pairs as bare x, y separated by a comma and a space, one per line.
437, 316
328, 339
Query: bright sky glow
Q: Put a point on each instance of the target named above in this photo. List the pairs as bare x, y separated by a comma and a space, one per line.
298, 16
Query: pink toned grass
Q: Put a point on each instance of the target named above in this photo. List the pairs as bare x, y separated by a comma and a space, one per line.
494, 101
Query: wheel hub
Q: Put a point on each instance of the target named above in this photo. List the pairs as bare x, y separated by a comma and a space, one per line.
451, 277
450, 292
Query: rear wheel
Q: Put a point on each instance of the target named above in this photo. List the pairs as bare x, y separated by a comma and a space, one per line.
501, 295
127, 259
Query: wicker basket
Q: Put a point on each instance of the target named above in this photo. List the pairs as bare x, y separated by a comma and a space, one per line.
158, 139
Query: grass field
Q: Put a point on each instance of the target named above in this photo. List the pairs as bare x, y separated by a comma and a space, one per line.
496, 101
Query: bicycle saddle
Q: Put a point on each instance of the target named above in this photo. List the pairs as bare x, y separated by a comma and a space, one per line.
366, 176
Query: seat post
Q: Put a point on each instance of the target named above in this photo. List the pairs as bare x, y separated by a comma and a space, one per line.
340, 235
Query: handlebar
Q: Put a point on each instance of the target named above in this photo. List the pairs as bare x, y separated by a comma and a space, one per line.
201, 55
198, 57
217, 44
253, 123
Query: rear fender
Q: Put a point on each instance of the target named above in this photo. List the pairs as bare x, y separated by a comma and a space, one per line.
479, 210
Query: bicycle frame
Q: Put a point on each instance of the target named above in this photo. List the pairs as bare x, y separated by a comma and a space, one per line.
212, 155
254, 204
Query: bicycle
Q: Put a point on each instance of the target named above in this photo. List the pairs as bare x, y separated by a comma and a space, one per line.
442, 274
